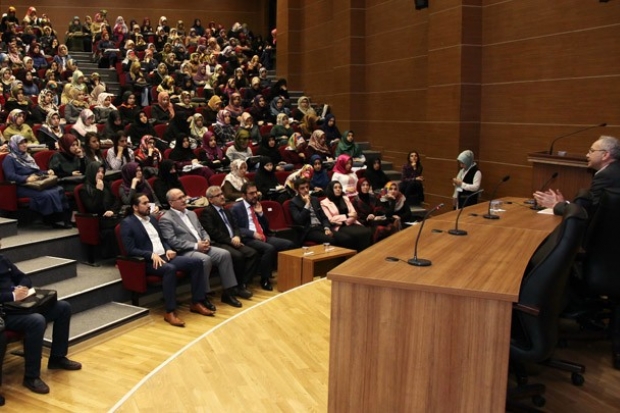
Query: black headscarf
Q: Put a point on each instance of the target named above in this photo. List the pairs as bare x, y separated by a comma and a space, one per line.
337, 200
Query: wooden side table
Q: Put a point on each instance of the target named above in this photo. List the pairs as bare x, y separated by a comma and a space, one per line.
301, 265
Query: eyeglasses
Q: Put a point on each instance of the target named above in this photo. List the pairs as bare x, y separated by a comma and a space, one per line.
596, 150
182, 198
216, 195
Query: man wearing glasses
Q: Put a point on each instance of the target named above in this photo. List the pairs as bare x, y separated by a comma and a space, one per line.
603, 157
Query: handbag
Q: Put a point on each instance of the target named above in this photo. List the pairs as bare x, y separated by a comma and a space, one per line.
43, 183
39, 302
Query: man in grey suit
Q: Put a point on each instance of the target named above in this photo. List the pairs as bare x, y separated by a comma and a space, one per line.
183, 231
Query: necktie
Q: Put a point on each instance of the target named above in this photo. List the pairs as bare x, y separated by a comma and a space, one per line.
225, 219
259, 229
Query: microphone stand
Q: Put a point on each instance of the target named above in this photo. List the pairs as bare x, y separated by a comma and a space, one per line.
420, 262
600, 125
488, 215
537, 207
456, 230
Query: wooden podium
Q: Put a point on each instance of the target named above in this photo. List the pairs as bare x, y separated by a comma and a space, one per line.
431, 339
572, 169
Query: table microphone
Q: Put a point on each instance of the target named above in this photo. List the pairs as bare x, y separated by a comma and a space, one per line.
537, 207
488, 215
600, 125
456, 230
419, 262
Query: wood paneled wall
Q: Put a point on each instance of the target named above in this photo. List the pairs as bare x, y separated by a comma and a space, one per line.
500, 77
254, 12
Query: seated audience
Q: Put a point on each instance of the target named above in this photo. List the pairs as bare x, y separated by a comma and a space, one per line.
211, 154
347, 146
267, 182
241, 148
167, 179
223, 130
85, 123
395, 204
141, 127
92, 149
68, 162
134, 183
295, 152
147, 155
306, 212
374, 174
316, 146
344, 174
128, 109
113, 125
282, 130
186, 160
303, 109
163, 111
332, 134
234, 180
319, 179
104, 107
50, 132
268, 147
16, 126
371, 213
120, 154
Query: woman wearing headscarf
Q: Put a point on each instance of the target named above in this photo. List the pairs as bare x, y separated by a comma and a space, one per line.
133, 183
295, 152
16, 125
128, 109
308, 125
316, 146
18, 100
224, 131
77, 83
303, 109
141, 127
45, 105
69, 161
211, 154
97, 86
85, 123
260, 110
277, 107
269, 147
163, 112
282, 130
320, 179
113, 125
371, 213
76, 105
306, 172
20, 167
234, 180
147, 155
411, 179
167, 179
186, 160
179, 124
347, 146
345, 175
348, 231
374, 174
50, 132
97, 197
467, 181
395, 204
332, 134
120, 153
197, 128
103, 107
241, 148
267, 182
210, 112
235, 108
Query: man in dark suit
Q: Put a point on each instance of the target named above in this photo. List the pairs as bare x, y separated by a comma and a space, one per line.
225, 234
255, 233
142, 237
182, 230
307, 212
604, 157
14, 286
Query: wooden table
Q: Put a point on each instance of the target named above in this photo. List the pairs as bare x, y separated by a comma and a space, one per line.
301, 265
431, 339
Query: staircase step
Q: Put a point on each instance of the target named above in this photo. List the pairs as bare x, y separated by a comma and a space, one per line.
392, 174
37, 240
93, 286
365, 146
369, 152
47, 270
8, 227
93, 322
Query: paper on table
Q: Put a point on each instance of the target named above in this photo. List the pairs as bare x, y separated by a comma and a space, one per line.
547, 211
31, 291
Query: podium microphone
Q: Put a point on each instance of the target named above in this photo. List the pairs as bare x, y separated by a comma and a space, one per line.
537, 207
420, 262
488, 215
600, 125
456, 230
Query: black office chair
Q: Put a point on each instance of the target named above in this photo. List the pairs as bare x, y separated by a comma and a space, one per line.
541, 298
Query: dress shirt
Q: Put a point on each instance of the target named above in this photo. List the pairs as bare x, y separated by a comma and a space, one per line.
225, 219
158, 247
189, 225
250, 212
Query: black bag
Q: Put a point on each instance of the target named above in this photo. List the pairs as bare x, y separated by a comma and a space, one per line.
40, 302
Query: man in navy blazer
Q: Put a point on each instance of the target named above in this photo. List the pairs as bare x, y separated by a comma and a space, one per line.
254, 230
142, 238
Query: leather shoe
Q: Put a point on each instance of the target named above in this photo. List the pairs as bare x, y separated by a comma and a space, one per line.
200, 309
173, 319
36, 385
62, 363
209, 304
2, 401
243, 292
231, 300
617, 361
266, 285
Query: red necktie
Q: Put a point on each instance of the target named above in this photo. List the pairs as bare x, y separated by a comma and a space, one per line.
259, 229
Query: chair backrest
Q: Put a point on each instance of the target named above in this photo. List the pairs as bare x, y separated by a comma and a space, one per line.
217, 179
275, 215
600, 265
42, 159
78, 200
148, 111
119, 239
160, 129
195, 185
282, 175
286, 210
543, 287
116, 185
167, 153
